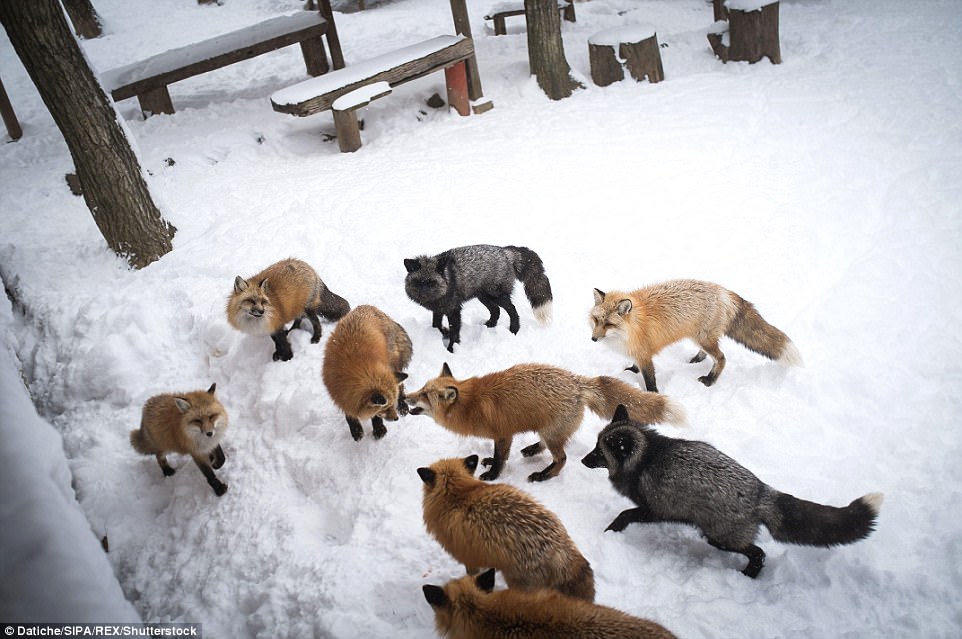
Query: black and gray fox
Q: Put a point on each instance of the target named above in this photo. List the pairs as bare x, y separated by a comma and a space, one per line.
691, 482
444, 282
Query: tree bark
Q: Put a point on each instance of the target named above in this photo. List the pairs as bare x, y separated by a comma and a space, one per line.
113, 183
86, 22
546, 54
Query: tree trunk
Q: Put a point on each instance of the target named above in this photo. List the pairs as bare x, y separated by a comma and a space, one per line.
86, 22
113, 183
546, 54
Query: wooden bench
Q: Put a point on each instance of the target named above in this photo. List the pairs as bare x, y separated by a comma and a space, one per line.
505, 9
148, 79
447, 52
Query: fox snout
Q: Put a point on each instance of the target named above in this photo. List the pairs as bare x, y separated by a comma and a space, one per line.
595, 459
257, 312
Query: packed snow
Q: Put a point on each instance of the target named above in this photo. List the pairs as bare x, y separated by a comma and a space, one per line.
825, 190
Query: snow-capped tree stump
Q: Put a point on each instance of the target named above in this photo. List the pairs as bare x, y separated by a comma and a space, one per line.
752, 32
634, 46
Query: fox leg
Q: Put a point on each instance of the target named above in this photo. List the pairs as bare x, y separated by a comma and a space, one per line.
756, 557
380, 430
719, 365
454, 328
219, 487
648, 374
515, 322
315, 325
638, 515
217, 457
437, 321
699, 357
502, 447
282, 348
533, 449
357, 432
491, 304
164, 466
558, 459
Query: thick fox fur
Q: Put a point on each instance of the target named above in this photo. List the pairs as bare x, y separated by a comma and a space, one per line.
364, 362
676, 480
498, 526
444, 282
188, 424
467, 608
287, 291
532, 397
643, 322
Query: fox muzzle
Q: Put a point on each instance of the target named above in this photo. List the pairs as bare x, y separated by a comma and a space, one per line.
595, 459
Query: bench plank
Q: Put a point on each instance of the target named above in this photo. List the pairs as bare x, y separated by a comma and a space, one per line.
397, 67
194, 59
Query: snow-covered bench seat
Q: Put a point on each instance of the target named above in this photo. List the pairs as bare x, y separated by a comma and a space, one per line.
148, 79
503, 10
315, 95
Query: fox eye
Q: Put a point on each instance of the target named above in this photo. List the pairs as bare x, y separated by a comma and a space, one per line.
195, 422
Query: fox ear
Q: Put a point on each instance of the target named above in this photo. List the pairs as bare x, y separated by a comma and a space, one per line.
471, 463
445, 370
400, 377
240, 284
435, 596
412, 264
624, 307
213, 387
621, 414
182, 404
378, 399
449, 394
485, 581
427, 476
599, 296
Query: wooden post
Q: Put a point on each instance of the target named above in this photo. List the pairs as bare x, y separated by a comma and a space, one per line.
637, 46
720, 10
155, 101
456, 79
462, 26
753, 35
347, 130
9, 117
315, 57
333, 41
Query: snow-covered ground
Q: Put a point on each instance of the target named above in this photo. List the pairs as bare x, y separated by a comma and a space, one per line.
825, 189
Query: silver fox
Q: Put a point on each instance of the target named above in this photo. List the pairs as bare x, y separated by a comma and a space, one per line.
444, 282
691, 482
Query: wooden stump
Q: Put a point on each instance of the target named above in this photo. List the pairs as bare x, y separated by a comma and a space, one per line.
752, 33
637, 49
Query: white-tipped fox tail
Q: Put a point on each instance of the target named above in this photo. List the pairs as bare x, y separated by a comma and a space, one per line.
790, 355
675, 413
543, 313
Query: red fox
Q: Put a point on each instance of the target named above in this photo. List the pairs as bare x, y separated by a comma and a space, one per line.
498, 526
466, 608
532, 397
289, 290
643, 322
186, 423
364, 360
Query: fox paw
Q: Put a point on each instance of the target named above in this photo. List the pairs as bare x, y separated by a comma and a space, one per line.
491, 475
168, 471
283, 357
707, 380
219, 489
380, 430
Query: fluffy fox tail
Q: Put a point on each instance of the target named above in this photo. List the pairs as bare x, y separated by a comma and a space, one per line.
581, 585
139, 442
331, 305
530, 270
750, 329
603, 394
796, 521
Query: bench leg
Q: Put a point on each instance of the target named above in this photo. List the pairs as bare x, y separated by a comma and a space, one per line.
315, 57
9, 116
348, 132
155, 101
568, 12
499, 28
456, 79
